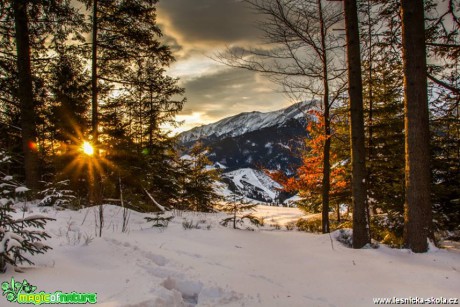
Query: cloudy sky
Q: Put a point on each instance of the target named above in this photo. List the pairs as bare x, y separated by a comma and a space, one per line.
196, 30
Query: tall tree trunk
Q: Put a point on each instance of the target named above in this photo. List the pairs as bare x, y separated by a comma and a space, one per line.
326, 182
370, 143
417, 173
358, 150
25, 94
94, 77
96, 184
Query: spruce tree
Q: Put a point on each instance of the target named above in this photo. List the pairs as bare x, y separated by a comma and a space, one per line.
29, 31
199, 184
418, 209
358, 157
238, 210
18, 236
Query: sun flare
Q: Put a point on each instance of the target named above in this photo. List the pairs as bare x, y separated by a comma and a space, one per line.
87, 148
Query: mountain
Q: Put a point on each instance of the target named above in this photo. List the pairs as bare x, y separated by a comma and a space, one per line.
253, 184
255, 139
241, 145
246, 122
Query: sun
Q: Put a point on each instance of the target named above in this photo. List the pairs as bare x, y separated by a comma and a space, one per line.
87, 148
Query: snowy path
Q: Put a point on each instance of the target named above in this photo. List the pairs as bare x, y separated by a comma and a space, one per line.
225, 267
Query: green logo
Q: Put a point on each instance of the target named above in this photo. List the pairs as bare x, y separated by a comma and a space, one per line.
24, 293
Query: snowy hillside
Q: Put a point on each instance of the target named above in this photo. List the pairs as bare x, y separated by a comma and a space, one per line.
252, 183
246, 122
148, 267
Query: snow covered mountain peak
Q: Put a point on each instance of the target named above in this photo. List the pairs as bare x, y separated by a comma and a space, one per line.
246, 122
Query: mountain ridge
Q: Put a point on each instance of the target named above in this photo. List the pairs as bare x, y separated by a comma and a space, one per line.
246, 122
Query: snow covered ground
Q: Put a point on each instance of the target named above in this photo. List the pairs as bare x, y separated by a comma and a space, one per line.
226, 267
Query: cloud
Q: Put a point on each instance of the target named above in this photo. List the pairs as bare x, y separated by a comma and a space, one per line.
199, 29
206, 21
232, 91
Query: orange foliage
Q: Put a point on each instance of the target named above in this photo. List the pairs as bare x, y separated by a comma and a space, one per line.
309, 176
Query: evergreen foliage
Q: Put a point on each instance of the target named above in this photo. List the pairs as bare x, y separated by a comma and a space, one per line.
57, 194
159, 221
199, 192
18, 236
237, 207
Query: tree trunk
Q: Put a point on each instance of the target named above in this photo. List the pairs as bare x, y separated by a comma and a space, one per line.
370, 142
326, 182
417, 172
358, 150
95, 189
94, 77
25, 94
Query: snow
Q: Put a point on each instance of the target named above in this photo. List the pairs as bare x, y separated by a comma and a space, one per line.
255, 178
216, 165
21, 190
226, 267
247, 122
154, 201
292, 201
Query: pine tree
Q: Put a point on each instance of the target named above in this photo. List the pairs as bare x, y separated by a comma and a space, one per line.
239, 210
30, 29
25, 93
358, 156
443, 43
384, 119
416, 122
18, 236
445, 157
199, 190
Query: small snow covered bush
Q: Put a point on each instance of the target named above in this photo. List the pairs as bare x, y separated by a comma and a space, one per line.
159, 221
21, 236
388, 228
345, 236
190, 224
57, 194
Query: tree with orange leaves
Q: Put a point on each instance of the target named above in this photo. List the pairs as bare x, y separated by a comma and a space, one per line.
309, 176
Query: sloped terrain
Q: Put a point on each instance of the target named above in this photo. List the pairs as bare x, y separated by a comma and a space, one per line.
148, 267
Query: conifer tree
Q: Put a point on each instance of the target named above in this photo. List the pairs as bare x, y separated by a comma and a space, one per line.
383, 101
239, 210
18, 236
30, 29
418, 210
128, 74
358, 157
199, 190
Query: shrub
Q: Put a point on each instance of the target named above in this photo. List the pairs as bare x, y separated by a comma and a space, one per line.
159, 221
57, 194
190, 224
290, 225
388, 228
